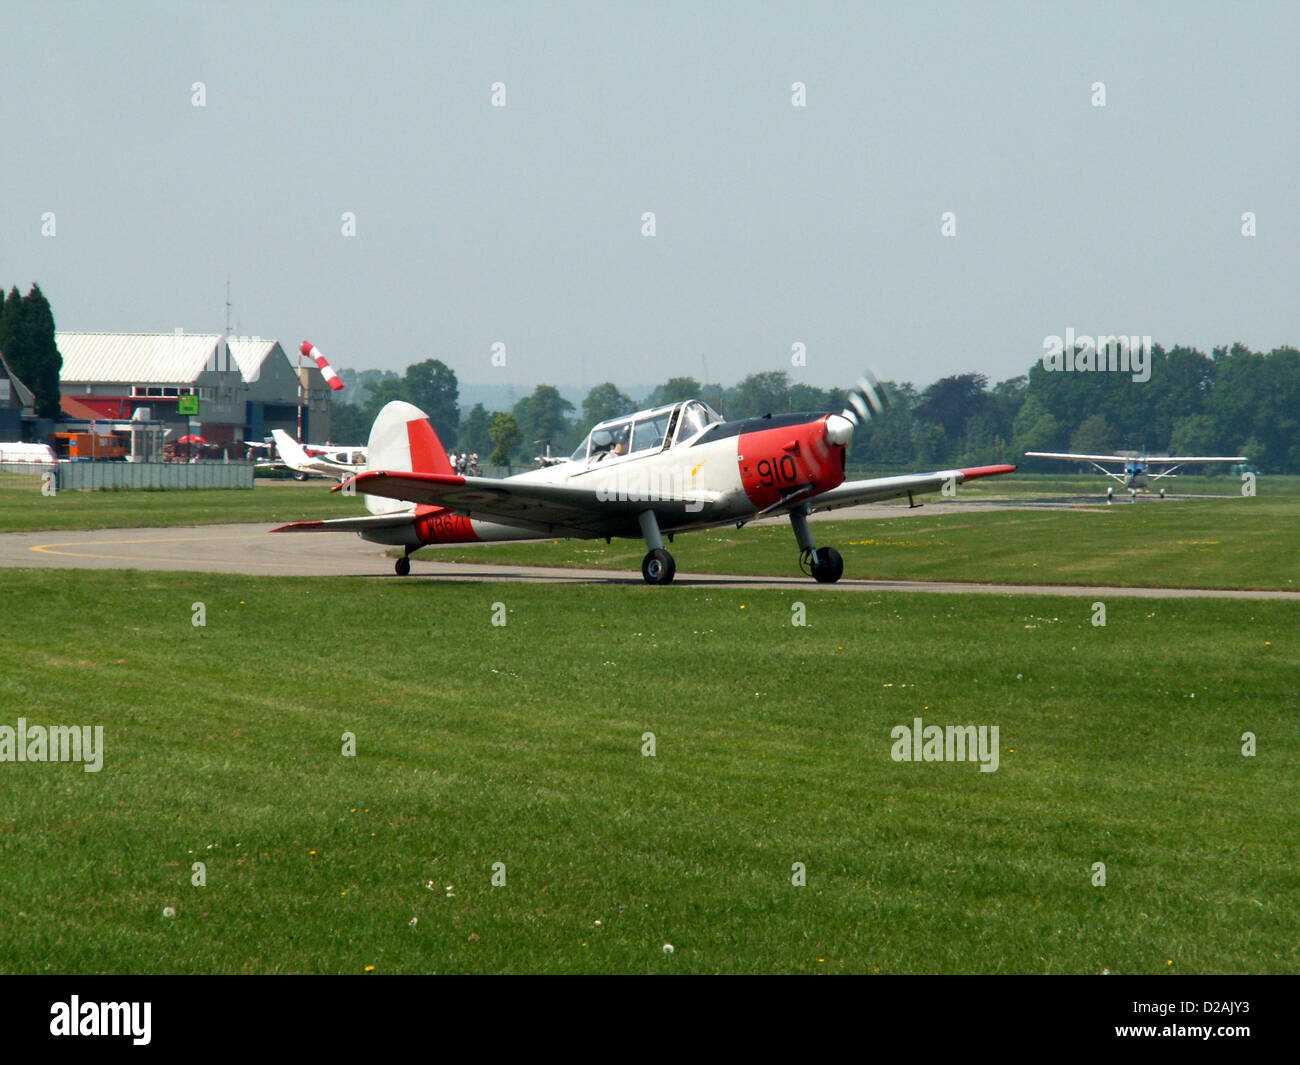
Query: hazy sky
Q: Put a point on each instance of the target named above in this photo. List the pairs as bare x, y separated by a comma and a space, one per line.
776, 224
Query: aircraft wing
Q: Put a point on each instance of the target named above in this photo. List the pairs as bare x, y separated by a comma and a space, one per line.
358, 524
547, 508
852, 493
1165, 460
1079, 458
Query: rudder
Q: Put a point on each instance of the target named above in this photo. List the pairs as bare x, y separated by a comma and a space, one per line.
402, 440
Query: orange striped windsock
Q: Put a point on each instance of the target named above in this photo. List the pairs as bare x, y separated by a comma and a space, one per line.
327, 371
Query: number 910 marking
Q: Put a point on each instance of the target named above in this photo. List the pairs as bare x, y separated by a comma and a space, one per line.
777, 471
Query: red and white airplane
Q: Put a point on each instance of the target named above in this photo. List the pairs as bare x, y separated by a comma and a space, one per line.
648, 475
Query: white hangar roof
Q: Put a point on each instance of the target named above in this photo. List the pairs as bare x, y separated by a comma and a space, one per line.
136, 358
156, 358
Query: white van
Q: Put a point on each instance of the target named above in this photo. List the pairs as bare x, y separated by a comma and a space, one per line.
27, 453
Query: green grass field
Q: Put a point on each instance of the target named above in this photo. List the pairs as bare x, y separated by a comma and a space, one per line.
521, 744
1247, 543
1021, 485
23, 508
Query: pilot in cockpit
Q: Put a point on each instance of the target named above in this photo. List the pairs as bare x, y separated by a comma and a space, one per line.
610, 441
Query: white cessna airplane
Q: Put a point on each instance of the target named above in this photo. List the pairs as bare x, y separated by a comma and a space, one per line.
1135, 476
647, 475
329, 460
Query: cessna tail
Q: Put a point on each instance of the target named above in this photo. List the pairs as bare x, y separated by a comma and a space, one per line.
324, 459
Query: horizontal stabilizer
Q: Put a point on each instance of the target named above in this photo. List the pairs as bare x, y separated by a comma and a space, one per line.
358, 524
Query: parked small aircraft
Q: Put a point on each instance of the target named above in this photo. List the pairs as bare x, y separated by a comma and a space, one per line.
328, 460
1135, 476
647, 475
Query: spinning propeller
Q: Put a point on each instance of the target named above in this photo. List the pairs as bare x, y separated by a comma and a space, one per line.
868, 397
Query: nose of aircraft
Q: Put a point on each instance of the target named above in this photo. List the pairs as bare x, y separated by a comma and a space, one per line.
839, 430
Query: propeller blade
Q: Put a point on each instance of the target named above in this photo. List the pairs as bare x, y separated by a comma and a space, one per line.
866, 399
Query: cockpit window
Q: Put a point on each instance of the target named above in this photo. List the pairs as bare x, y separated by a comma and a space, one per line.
651, 431
612, 439
643, 433
696, 417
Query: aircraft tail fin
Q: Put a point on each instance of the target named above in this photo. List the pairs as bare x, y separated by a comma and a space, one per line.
291, 453
402, 440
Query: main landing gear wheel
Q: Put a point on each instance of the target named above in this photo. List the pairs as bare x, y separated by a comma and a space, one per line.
658, 567
827, 565
403, 566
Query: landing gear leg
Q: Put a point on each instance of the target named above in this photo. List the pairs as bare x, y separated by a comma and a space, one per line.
658, 566
824, 564
403, 565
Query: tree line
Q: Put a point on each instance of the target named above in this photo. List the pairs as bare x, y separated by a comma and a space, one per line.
1233, 401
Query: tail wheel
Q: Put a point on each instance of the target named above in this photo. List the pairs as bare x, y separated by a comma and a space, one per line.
827, 565
658, 567
403, 566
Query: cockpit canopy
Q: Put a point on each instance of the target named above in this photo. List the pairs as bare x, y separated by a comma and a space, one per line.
647, 431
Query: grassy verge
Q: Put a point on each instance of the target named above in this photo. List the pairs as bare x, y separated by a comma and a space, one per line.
23, 508
1253, 543
522, 744
1050, 485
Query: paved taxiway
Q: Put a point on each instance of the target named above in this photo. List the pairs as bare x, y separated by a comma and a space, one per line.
251, 550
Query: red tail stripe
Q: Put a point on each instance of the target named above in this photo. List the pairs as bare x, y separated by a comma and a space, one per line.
427, 452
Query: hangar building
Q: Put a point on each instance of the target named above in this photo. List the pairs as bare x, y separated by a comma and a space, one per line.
245, 387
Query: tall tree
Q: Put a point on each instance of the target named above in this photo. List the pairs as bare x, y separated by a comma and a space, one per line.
605, 401
384, 392
1195, 435
27, 340
542, 420
505, 434
674, 390
431, 385
806, 397
475, 430
1008, 397
759, 394
367, 380
952, 401
1094, 437
1036, 429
